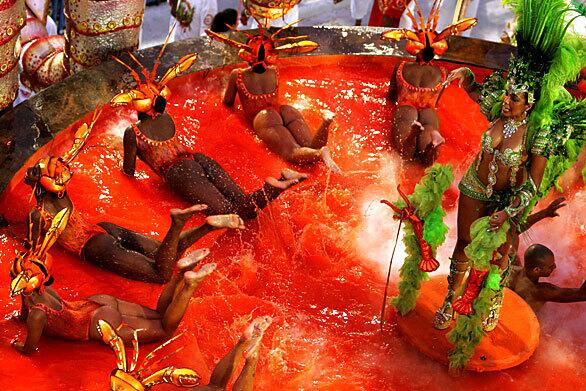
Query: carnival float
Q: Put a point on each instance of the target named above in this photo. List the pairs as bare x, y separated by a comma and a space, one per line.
275, 273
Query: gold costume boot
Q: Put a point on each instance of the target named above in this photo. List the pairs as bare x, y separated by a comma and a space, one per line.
445, 314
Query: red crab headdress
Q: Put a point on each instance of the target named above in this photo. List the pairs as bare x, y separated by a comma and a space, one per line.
262, 49
425, 42
144, 96
30, 270
54, 172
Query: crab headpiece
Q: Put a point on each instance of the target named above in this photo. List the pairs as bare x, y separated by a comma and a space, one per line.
30, 269
262, 49
143, 98
54, 172
127, 377
425, 43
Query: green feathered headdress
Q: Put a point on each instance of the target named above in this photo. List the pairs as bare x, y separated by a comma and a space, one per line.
547, 57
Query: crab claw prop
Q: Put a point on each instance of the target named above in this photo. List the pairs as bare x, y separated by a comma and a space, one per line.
251, 51
464, 304
428, 262
30, 270
143, 97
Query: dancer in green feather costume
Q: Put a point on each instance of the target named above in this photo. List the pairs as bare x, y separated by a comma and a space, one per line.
536, 133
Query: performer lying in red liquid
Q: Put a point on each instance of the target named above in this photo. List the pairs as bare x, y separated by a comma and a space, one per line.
197, 178
282, 127
107, 245
417, 86
44, 311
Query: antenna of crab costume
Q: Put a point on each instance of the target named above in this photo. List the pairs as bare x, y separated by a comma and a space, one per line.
156, 66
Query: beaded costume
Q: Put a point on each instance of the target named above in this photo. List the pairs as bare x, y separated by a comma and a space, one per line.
419, 97
555, 129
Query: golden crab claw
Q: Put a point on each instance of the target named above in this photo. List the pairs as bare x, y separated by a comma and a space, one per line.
399, 34
456, 28
110, 337
298, 47
122, 381
183, 65
181, 377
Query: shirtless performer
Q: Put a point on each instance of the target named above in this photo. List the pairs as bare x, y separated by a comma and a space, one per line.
525, 281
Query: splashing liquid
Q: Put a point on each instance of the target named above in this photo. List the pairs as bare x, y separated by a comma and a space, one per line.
314, 259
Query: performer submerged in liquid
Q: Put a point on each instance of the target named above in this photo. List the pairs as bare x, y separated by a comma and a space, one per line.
507, 174
417, 86
45, 312
107, 245
282, 127
197, 178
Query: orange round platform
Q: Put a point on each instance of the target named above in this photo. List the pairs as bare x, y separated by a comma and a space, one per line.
512, 342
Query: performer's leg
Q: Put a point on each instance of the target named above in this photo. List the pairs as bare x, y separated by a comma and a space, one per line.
176, 309
185, 264
131, 240
192, 235
225, 368
245, 381
189, 179
429, 138
404, 131
246, 205
469, 210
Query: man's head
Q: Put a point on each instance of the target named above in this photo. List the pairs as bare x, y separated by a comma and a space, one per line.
539, 260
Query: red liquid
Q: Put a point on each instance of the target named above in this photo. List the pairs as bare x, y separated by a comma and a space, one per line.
314, 259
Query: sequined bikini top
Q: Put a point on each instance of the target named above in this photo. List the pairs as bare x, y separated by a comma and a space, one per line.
509, 157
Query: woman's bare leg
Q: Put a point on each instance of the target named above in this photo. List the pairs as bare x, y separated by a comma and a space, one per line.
430, 138
405, 130
166, 255
225, 369
192, 235
245, 381
185, 264
176, 309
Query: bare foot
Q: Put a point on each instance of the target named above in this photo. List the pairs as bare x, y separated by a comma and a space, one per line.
182, 215
328, 116
287, 173
192, 278
329, 162
225, 221
283, 184
254, 333
191, 260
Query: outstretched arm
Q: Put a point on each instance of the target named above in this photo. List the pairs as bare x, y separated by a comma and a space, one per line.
550, 292
35, 324
129, 164
467, 81
550, 211
231, 89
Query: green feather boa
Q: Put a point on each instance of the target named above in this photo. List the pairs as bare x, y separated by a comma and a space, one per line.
427, 201
467, 332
